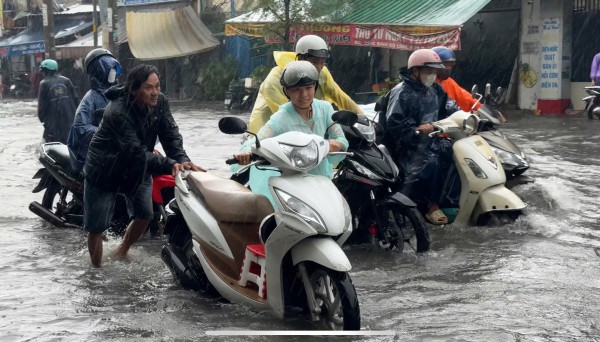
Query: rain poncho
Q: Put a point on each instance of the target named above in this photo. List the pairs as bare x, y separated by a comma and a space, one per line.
121, 151
421, 158
463, 98
270, 95
57, 102
595, 70
286, 120
86, 123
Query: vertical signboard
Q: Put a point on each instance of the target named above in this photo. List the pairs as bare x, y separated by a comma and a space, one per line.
551, 55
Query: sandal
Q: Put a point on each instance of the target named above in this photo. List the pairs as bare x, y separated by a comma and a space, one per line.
437, 217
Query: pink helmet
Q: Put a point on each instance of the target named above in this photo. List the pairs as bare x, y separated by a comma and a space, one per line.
425, 57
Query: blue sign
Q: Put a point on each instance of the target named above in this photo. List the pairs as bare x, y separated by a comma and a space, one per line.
22, 49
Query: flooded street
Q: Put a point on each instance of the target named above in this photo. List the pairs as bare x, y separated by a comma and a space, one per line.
535, 280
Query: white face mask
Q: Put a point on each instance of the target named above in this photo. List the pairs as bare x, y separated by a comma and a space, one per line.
427, 80
112, 75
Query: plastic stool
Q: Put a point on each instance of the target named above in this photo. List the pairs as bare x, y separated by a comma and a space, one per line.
253, 259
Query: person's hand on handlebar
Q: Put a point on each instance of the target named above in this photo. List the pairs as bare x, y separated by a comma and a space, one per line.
243, 158
425, 128
177, 167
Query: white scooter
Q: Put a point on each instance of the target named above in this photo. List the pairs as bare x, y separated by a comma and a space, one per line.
484, 199
287, 259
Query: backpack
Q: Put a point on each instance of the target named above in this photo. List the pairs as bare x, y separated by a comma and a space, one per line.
381, 106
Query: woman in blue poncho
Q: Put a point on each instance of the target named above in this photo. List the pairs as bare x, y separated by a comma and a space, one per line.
303, 113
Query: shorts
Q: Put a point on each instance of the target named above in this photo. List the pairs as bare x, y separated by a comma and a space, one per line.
99, 205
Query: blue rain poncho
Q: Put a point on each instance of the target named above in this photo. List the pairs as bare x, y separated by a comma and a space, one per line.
286, 120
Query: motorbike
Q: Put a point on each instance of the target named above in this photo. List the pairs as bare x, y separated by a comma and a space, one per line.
513, 159
223, 237
20, 86
62, 201
483, 198
366, 179
241, 96
592, 102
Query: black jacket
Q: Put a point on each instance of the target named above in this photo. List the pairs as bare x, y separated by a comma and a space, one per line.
121, 151
57, 103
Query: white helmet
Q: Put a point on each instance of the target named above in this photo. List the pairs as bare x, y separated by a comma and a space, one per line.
313, 46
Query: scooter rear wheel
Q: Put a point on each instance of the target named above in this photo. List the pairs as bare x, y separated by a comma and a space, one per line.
50, 196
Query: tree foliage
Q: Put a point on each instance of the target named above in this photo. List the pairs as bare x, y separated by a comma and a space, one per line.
289, 13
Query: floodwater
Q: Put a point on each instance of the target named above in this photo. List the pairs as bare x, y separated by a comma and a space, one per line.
535, 280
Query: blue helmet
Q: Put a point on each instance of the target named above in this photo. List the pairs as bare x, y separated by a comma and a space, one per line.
446, 55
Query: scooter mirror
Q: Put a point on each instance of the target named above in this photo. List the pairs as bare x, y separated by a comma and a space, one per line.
345, 117
232, 125
488, 90
498, 92
474, 90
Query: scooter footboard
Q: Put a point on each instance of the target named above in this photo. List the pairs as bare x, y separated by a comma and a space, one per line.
323, 251
499, 198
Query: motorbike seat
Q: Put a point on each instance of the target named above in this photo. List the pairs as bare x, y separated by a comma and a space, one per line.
60, 154
228, 200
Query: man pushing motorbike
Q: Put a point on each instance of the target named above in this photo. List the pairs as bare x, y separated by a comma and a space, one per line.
120, 158
271, 95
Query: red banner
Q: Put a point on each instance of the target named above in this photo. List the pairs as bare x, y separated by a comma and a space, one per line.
377, 36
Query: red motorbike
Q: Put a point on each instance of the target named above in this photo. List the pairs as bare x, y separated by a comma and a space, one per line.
62, 203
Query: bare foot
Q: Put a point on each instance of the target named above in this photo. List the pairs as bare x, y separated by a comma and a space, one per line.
118, 254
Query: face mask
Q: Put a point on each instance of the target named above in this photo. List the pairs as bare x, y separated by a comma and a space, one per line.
427, 80
112, 75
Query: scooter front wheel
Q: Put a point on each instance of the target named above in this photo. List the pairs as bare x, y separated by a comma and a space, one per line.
336, 300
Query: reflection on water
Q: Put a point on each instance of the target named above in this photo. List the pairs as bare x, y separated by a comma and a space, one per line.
532, 281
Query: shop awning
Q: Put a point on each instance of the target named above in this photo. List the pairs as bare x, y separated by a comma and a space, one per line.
79, 48
398, 24
31, 40
166, 34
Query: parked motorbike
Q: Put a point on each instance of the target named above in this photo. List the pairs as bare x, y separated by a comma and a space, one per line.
241, 96
513, 159
592, 102
62, 202
20, 86
290, 255
476, 170
366, 179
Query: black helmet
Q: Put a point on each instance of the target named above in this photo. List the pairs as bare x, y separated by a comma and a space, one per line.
93, 55
298, 74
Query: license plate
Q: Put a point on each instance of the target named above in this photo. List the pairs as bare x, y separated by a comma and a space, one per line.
227, 101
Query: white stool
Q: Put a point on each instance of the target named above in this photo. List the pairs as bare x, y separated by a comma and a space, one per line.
255, 254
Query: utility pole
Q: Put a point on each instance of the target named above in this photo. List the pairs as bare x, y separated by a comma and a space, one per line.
112, 19
48, 22
95, 22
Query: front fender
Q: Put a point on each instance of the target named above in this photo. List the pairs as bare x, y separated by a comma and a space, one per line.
323, 251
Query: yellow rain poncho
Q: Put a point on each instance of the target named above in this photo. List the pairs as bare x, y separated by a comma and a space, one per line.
271, 96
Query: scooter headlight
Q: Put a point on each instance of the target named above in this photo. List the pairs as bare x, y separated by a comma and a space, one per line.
509, 160
302, 157
470, 124
301, 209
477, 171
365, 171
